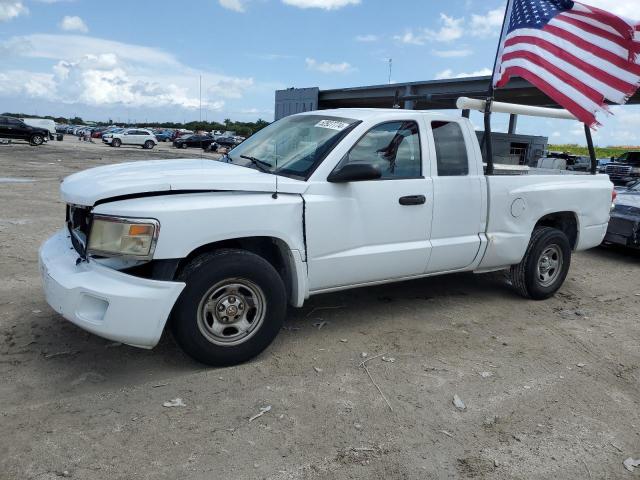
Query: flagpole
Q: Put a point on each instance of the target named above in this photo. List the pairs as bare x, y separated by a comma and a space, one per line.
503, 34
488, 140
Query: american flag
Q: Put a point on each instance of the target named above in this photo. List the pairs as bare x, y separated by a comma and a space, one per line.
580, 56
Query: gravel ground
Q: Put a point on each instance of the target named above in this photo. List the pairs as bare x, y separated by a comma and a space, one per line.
551, 389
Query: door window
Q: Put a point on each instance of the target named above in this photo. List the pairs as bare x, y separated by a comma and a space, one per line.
394, 147
451, 149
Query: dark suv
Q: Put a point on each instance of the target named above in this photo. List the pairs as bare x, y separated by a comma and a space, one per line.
16, 129
624, 169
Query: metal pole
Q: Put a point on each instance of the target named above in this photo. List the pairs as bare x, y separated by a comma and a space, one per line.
513, 123
488, 143
592, 151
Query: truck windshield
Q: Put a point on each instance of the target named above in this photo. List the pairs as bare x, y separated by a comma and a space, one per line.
293, 146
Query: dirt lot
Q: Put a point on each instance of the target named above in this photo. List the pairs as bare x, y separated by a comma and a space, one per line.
551, 389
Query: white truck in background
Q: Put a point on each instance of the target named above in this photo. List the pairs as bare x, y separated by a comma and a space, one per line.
45, 123
316, 202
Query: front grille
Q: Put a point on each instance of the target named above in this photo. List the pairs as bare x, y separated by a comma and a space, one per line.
618, 170
78, 224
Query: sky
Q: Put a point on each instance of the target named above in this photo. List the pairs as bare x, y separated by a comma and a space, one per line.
142, 61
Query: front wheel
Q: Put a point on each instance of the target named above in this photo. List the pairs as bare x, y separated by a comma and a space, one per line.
148, 145
36, 140
232, 308
545, 265
116, 142
184, 145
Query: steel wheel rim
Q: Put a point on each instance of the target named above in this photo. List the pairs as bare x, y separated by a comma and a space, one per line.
549, 265
231, 312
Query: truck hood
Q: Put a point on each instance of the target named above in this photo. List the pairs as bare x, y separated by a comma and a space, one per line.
100, 183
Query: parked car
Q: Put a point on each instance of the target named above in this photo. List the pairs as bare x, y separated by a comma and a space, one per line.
624, 226
180, 133
225, 142
580, 164
316, 202
196, 141
99, 131
625, 168
602, 164
45, 123
109, 133
16, 129
164, 135
132, 136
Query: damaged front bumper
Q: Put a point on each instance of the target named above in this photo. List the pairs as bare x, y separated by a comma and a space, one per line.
104, 301
624, 230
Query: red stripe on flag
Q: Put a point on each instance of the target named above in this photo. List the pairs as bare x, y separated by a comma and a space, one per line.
596, 50
593, 95
627, 89
587, 27
608, 18
560, 98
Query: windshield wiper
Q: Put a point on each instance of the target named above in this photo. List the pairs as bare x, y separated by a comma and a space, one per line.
261, 164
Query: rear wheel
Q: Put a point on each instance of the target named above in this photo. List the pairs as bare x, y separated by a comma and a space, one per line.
116, 142
36, 140
545, 265
232, 308
184, 145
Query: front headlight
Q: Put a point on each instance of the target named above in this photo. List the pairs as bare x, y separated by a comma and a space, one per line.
115, 236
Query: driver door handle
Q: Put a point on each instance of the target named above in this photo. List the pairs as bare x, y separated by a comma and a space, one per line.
413, 200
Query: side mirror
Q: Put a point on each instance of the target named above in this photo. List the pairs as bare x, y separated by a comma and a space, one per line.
355, 172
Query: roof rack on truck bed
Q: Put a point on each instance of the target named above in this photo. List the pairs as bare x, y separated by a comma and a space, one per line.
487, 107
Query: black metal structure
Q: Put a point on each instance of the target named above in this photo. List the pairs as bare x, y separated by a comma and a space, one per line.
426, 95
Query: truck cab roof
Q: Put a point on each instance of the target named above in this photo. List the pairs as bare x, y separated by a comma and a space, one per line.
369, 113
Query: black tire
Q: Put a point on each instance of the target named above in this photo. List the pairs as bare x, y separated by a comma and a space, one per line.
207, 275
184, 145
116, 142
527, 278
148, 145
36, 140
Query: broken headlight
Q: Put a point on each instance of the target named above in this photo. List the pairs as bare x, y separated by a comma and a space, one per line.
117, 236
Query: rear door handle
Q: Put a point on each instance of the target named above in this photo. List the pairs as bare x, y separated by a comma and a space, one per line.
413, 200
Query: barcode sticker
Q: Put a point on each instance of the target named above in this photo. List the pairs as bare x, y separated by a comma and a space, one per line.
332, 125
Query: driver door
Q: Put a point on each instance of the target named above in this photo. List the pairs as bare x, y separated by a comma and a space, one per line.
368, 231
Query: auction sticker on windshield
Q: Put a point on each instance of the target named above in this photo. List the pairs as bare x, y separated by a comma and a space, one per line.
332, 124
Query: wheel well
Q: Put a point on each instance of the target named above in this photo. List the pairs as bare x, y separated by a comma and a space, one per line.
563, 221
273, 250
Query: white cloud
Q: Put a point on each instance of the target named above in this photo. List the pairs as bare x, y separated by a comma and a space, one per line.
326, 67
65, 47
323, 4
235, 5
10, 9
448, 73
451, 29
487, 25
102, 73
367, 38
460, 53
73, 24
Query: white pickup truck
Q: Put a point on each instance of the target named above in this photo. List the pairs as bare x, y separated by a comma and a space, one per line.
314, 203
